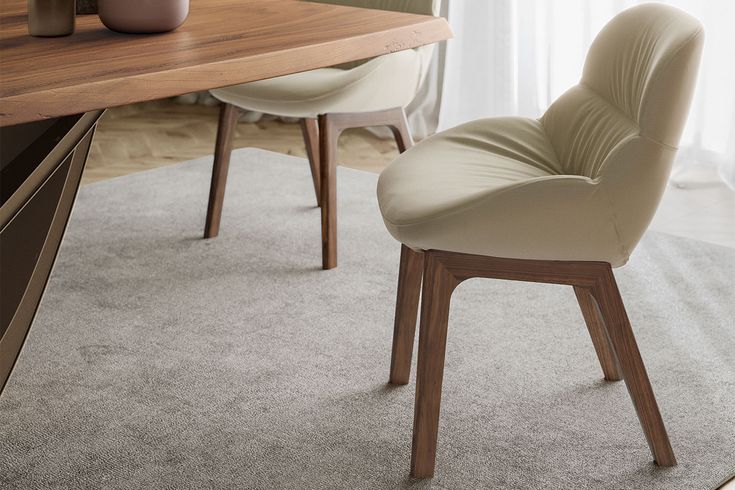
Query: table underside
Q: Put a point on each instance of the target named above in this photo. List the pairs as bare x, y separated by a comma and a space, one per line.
41, 166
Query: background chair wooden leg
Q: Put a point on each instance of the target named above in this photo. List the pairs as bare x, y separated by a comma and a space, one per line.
328, 135
228, 115
310, 131
596, 327
401, 132
407, 305
623, 341
438, 285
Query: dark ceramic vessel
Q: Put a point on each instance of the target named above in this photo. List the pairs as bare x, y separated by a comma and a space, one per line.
50, 18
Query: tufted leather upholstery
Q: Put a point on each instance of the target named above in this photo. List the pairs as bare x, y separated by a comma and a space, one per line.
381, 83
580, 183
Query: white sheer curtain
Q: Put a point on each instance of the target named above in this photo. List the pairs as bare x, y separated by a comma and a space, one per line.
516, 56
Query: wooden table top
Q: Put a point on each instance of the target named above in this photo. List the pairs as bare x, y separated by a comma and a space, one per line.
223, 42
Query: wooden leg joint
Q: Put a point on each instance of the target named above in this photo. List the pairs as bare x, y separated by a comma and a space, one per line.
601, 305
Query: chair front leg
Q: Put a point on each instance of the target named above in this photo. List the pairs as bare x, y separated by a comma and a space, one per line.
228, 116
623, 341
407, 305
437, 290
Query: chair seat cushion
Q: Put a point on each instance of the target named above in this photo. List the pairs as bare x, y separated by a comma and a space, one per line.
495, 187
382, 83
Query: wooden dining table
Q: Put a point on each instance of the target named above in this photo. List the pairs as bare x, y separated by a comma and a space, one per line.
54, 90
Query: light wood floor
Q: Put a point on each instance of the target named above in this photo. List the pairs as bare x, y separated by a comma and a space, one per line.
145, 136
140, 137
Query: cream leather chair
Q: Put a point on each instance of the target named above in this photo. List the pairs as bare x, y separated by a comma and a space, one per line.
327, 101
562, 199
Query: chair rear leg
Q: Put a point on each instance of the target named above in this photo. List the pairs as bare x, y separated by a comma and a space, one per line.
310, 132
228, 116
623, 341
400, 130
596, 327
407, 305
437, 290
328, 135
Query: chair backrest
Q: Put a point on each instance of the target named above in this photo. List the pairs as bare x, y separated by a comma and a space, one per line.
622, 124
425, 7
638, 80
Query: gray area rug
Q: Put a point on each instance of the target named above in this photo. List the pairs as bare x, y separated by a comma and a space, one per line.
160, 360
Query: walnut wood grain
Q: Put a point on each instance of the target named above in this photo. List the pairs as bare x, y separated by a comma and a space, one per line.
320, 136
598, 293
222, 43
438, 285
328, 136
401, 133
623, 341
595, 325
331, 127
228, 116
410, 273
310, 132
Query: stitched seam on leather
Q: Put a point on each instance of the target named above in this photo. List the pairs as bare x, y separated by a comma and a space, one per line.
621, 144
613, 219
658, 142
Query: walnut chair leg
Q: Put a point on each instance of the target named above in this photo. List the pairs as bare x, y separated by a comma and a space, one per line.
330, 127
621, 336
407, 305
596, 327
601, 305
438, 285
310, 132
400, 131
328, 135
228, 116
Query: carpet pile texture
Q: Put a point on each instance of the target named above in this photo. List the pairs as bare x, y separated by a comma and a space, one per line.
161, 360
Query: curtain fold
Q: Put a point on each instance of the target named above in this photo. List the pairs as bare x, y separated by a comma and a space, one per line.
514, 57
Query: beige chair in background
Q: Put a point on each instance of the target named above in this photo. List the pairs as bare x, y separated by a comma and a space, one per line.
327, 101
563, 199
